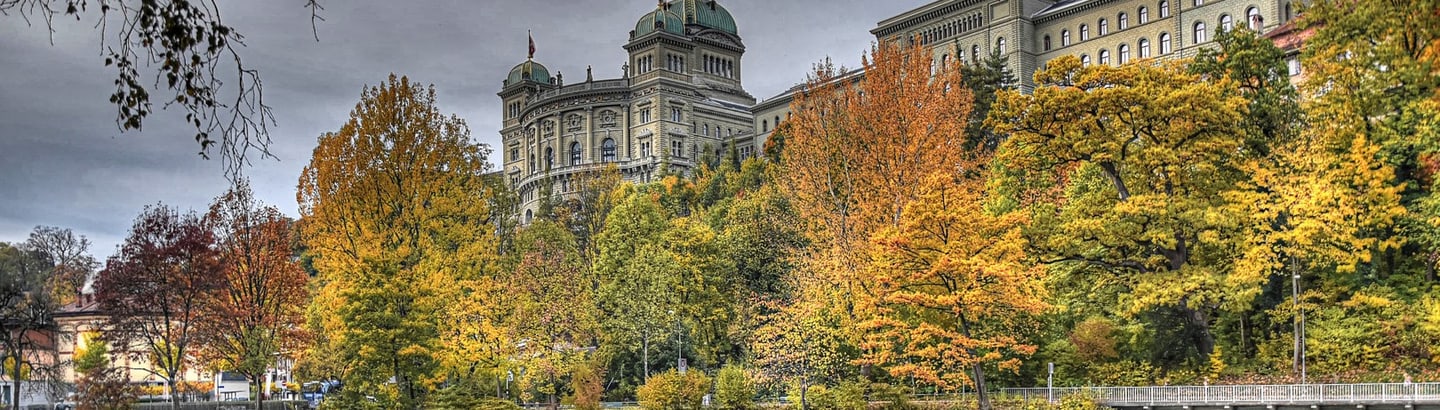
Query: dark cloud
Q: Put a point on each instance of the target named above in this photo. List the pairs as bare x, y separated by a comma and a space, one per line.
64, 163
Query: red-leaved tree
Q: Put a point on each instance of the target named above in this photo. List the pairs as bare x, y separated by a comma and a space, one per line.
152, 290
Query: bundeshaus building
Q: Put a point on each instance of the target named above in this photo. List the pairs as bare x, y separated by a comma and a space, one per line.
681, 95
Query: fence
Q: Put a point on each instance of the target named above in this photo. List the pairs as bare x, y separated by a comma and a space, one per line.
226, 405
1307, 394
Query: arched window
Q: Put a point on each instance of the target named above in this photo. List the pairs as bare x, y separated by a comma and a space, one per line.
529, 216
1084, 60
1289, 12
777, 121
1124, 53
1164, 8
607, 150
764, 125
1199, 33
1104, 56
1164, 43
1227, 23
575, 153
1047, 42
1199, 3
1123, 20
1144, 14
549, 158
1253, 19
1064, 38
707, 130
1084, 32
1144, 48
1104, 27
975, 54
1000, 46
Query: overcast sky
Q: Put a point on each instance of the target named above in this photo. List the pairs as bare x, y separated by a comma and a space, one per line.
64, 163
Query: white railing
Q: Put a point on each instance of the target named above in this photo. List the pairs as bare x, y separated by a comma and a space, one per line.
1303, 394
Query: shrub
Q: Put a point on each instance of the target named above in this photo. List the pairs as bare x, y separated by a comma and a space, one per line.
673, 391
589, 382
733, 389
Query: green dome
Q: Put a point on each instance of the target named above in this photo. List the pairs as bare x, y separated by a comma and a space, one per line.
710, 14
528, 71
660, 19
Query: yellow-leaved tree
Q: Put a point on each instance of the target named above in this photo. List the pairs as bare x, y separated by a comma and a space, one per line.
954, 287
397, 220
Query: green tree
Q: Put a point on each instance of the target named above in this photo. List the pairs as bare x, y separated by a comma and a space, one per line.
985, 78
1141, 156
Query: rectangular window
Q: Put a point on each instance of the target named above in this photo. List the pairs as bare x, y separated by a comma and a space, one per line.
644, 115
1294, 65
675, 115
677, 149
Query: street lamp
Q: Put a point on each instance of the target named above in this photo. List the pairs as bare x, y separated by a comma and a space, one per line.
1299, 323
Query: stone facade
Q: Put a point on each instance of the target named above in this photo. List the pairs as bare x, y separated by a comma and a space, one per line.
680, 98
1028, 33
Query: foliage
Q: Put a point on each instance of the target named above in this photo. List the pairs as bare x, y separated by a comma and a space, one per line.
671, 390
588, 380
189, 48
1143, 154
154, 290
734, 389
395, 210
104, 388
257, 311
555, 316
985, 78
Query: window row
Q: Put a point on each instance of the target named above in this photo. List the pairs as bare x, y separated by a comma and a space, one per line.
675, 63
1122, 21
720, 66
1125, 55
952, 28
728, 132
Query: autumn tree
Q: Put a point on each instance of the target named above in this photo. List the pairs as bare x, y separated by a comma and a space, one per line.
258, 310
154, 291
395, 211
954, 286
1372, 85
555, 318
1143, 154
856, 152
182, 52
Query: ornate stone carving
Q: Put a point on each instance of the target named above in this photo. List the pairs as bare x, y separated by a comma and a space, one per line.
607, 119
574, 122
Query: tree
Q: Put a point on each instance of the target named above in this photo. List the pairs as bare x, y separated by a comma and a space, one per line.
856, 152
555, 318
985, 78
954, 285
99, 386
258, 310
1371, 83
154, 289
396, 211
1143, 155
188, 46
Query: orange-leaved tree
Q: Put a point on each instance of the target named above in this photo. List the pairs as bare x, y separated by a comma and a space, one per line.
257, 312
857, 148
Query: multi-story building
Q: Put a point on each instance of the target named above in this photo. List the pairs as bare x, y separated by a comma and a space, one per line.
681, 94
1029, 33
680, 98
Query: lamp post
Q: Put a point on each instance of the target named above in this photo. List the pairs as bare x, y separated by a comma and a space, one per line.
1299, 321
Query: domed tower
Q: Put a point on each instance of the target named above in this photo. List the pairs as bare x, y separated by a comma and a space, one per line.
684, 73
524, 84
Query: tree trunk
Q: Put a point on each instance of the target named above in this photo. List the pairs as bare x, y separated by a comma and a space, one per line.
982, 399
262, 390
645, 356
174, 396
15, 379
